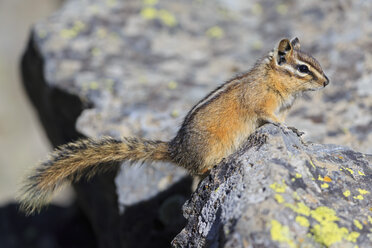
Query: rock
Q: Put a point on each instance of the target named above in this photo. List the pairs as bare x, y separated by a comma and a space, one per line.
67, 229
278, 191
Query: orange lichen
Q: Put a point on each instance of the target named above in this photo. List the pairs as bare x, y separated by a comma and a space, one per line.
327, 179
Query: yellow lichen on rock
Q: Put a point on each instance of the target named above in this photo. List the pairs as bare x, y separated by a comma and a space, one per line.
150, 2
327, 232
166, 17
281, 233
278, 187
324, 186
347, 193
359, 197
69, 33
300, 208
215, 32
352, 237
358, 224
363, 191
303, 221
149, 13
361, 173
312, 164
350, 170
279, 198
172, 85
324, 214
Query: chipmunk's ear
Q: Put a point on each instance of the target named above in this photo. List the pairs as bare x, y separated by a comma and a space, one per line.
284, 51
295, 42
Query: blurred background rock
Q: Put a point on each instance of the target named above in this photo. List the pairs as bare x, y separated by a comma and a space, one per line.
22, 141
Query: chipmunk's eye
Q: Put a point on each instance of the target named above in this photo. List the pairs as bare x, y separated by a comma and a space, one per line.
303, 68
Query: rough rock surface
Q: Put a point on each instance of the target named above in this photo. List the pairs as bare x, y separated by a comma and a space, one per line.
277, 191
122, 68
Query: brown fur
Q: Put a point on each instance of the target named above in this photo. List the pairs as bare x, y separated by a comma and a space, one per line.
85, 157
214, 128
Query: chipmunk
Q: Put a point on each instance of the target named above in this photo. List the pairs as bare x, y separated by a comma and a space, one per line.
213, 129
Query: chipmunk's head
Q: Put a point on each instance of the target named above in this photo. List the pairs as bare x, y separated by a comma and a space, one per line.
296, 69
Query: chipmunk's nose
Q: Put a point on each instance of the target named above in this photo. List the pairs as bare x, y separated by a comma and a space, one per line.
326, 82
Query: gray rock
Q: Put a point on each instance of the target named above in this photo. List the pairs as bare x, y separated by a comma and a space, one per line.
277, 191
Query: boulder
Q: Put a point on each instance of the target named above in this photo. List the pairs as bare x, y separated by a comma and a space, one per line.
278, 191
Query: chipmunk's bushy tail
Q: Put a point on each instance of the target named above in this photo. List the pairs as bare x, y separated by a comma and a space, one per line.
85, 157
